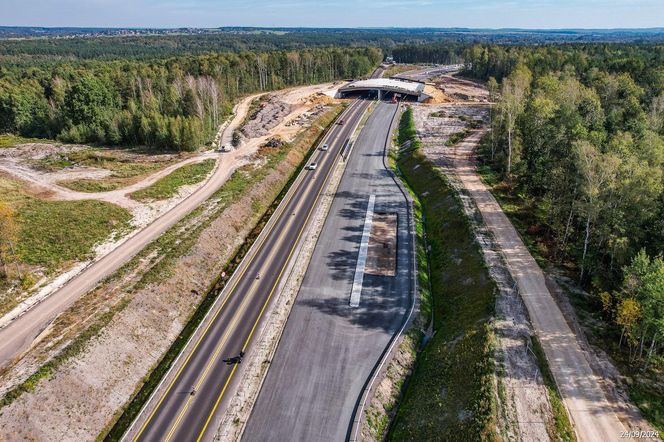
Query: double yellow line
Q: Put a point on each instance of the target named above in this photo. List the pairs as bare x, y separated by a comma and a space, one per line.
351, 111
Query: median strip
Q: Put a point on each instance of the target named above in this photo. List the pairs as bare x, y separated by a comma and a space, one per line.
362, 255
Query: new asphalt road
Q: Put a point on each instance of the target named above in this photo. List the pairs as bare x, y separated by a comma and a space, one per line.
328, 349
176, 414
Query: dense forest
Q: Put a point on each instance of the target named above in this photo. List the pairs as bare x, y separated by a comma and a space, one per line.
579, 131
30, 51
435, 53
175, 103
25, 45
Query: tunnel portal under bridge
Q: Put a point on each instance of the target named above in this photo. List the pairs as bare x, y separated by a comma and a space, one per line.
384, 88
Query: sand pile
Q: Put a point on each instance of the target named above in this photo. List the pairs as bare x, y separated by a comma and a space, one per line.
437, 95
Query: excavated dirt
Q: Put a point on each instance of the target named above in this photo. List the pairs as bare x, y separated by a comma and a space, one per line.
382, 249
437, 95
437, 123
461, 90
270, 114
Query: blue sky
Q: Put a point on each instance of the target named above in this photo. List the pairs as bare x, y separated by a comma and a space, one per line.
339, 13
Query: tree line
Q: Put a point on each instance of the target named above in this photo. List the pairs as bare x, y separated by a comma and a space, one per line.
174, 103
435, 53
579, 131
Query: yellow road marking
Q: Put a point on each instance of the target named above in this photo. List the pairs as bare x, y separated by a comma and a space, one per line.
216, 404
349, 110
223, 390
231, 327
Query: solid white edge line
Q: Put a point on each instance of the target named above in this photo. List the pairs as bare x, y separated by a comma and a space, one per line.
406, 323
220, 296
356, 291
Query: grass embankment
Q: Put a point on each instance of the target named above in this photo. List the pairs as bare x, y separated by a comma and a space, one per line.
450, 395
169, 185
54, 234
124, 170
645, 387
295, 155
10, 140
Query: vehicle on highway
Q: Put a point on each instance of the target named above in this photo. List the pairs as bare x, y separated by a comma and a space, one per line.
312, 166
235, 359
340, 122
324, 147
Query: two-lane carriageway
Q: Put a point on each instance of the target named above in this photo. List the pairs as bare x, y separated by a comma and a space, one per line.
173, 413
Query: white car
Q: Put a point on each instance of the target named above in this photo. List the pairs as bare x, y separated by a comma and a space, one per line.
324, 147
312, 166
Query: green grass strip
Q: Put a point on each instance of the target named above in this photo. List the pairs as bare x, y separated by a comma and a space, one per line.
563, 427
169, 185
450, 395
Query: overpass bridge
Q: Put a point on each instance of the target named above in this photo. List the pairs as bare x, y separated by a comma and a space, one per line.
385, 87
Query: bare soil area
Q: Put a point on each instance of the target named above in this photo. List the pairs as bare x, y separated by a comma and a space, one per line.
436, 94
461, 90
382, 250
435, 124
271, 112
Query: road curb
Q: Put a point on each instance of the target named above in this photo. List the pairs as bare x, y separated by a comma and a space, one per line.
140, 419
356, 425
288, 290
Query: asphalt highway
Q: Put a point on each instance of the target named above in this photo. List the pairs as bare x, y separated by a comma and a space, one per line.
174, 413
328, 349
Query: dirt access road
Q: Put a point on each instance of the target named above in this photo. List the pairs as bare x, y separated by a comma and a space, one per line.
593, 416
19, 334
48, 182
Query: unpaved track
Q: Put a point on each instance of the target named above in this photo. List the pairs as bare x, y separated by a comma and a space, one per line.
19, 334
118, 196
594, 418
